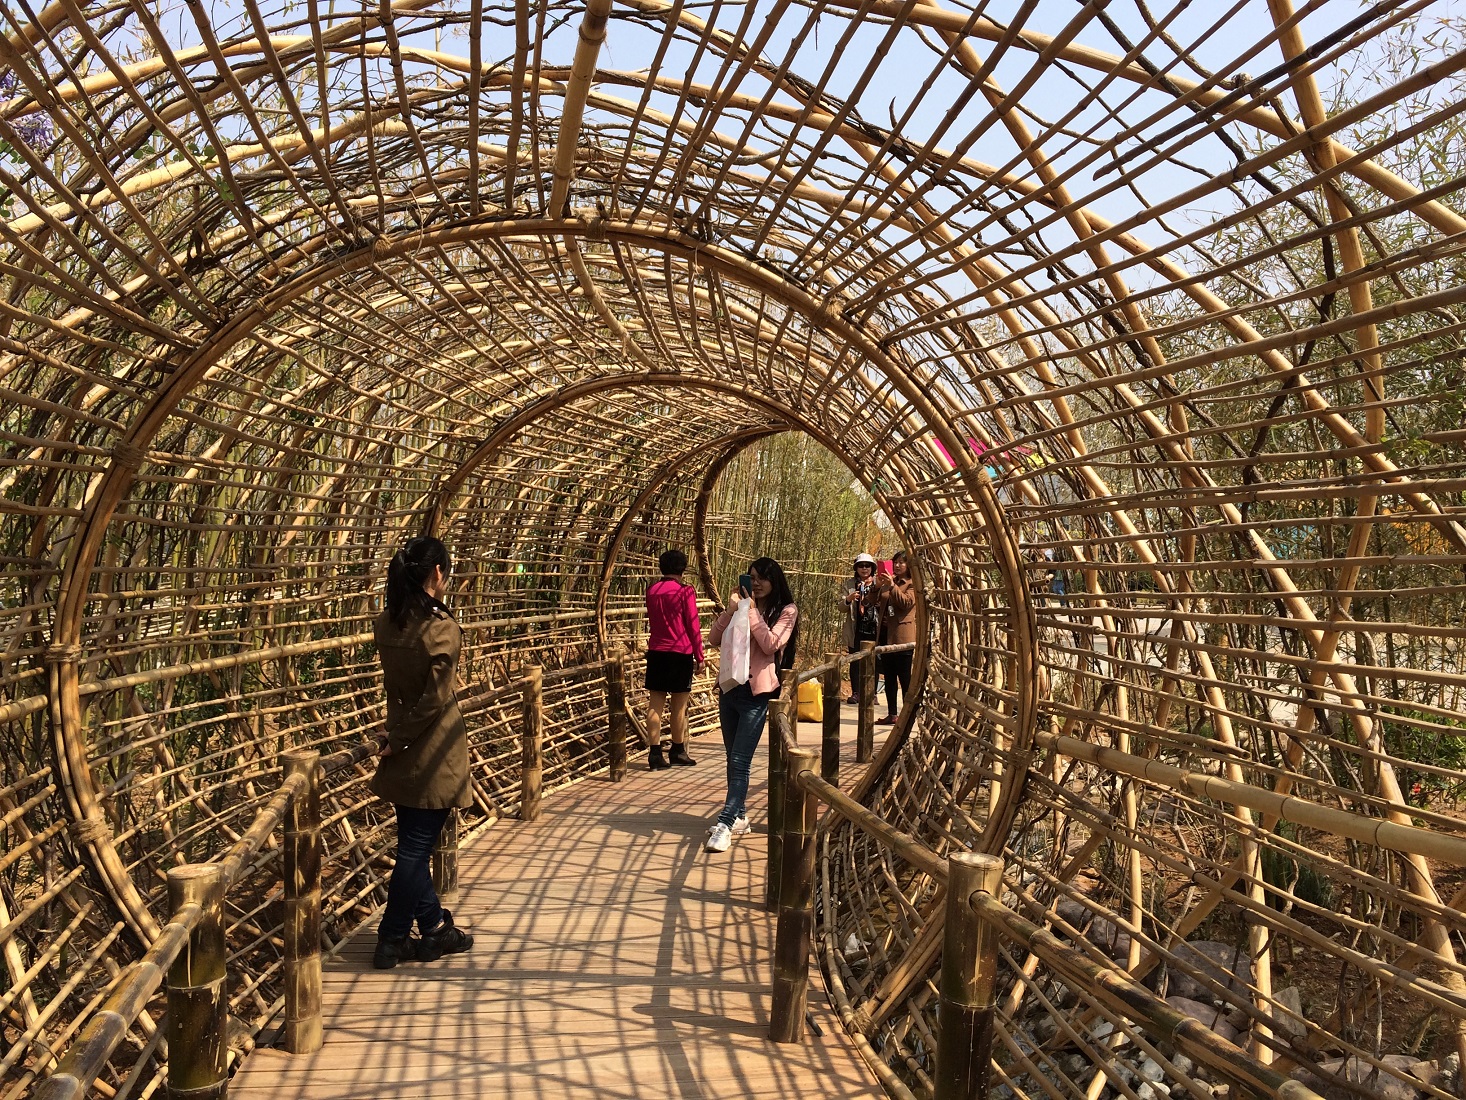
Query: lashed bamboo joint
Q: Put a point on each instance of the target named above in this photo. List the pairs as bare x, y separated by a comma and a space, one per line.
1141, 324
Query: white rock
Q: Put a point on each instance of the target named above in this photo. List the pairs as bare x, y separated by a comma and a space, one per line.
1431, 1074
1284, 1022
1206, 1015
1229, 967
1356, 1071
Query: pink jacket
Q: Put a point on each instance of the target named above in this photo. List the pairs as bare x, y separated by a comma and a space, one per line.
763, 665
671, 612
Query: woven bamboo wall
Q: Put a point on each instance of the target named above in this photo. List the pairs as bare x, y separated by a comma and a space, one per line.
1173, 294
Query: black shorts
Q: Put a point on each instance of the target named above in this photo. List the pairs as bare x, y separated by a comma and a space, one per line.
670, 672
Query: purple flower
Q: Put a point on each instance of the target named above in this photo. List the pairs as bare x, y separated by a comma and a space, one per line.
36, 129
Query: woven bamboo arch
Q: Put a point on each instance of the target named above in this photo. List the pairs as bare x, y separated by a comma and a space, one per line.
280, 287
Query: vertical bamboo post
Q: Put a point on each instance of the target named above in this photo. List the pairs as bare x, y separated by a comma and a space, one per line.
830, 731
865, 717
532, 769
969, 971
776, 790
302, 931
445, 859
790, 698
796, 903
198, 1011
616, 713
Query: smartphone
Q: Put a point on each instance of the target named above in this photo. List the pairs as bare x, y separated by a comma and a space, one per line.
745, 584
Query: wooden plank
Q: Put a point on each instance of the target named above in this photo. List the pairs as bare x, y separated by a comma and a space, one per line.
613, 957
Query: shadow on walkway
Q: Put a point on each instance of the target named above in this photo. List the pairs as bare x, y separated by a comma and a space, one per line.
613, 957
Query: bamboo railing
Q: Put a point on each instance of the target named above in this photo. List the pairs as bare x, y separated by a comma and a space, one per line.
976, 919
828, 675
189, 955
189, 952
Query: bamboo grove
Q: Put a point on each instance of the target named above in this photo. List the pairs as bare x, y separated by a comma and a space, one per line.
1140, 323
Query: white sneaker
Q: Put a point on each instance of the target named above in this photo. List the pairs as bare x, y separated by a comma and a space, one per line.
741, 825
720, 838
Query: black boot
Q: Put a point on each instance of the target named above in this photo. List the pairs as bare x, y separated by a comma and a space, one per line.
655, 761
679, 756
446, 939
391, 952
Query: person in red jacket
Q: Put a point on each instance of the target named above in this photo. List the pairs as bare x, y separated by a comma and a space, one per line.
674, 655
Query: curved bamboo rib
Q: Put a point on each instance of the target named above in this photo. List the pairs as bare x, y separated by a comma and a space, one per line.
1141, 323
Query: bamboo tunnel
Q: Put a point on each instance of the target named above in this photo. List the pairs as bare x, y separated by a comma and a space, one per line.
1139, 326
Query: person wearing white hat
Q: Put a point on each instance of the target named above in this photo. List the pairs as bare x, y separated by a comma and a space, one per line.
862, 618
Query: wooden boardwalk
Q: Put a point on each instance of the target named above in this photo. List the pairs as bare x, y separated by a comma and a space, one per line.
613, 957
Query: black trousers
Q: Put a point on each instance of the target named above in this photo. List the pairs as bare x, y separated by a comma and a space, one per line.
410, 893
896, 668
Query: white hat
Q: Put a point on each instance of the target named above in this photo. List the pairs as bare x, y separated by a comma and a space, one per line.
864, 559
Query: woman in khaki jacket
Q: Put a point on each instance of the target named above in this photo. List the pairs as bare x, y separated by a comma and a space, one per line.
423, 767
896, 600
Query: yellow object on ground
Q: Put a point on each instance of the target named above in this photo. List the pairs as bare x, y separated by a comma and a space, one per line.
811, 702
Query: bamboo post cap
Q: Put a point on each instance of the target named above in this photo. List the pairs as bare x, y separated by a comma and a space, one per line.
988, 869
300, 759
192, 881
801, 759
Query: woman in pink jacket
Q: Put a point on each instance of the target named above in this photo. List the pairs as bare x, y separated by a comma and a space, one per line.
774, 634
673, 656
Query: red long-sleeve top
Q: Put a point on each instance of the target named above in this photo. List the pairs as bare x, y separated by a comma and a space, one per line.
671, 611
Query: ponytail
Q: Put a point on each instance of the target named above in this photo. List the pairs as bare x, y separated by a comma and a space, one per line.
408, 572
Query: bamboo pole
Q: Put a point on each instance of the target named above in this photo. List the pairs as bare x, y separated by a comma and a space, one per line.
532, 733
302, 924
795, 927
592, 34
259, 656
108, 1027
1110, 984
780, 732
198, 1008
865, 723
907, 847
445, 858
1390, 835
968, 978
616, 713
830, 731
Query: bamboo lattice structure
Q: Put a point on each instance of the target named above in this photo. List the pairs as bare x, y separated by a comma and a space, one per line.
1141, 323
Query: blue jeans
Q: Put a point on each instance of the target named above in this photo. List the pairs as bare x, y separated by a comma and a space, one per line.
1059, 587
410, 894
741, 714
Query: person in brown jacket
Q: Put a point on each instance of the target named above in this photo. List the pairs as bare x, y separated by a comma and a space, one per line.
896, 601
423, 751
